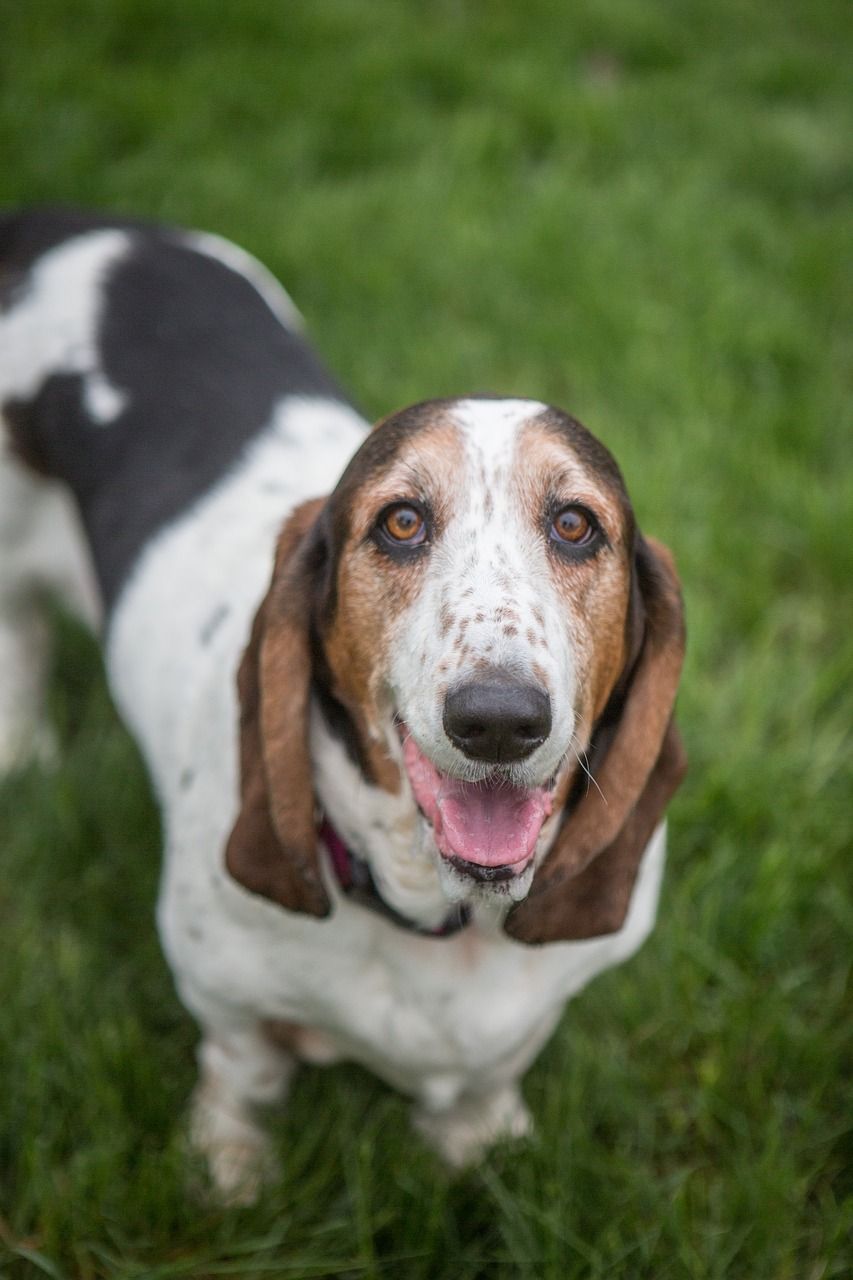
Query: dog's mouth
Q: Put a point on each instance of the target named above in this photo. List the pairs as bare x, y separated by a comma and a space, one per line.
487, 830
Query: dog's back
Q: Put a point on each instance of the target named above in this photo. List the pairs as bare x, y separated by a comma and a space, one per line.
142, 370
136, 364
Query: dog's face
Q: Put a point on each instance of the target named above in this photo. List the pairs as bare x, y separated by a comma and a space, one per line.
483, 571
470, 599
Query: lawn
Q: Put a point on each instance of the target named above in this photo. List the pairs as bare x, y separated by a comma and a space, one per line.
638, 210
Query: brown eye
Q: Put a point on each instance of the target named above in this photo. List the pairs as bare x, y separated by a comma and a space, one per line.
573, 525
404, 524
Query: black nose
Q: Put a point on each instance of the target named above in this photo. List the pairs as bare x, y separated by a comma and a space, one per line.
497, 718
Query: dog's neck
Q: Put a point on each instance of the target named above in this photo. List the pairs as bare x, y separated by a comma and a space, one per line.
381, 829
356, 880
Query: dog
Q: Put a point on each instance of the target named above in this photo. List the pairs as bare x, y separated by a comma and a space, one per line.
405, 693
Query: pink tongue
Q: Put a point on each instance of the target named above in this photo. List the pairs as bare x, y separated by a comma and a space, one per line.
491, 824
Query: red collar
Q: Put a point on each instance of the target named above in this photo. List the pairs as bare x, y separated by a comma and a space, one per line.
355, 878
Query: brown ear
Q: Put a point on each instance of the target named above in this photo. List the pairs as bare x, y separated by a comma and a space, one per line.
272, 849
583, 888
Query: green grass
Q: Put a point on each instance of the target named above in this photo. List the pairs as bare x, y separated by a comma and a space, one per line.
642, 212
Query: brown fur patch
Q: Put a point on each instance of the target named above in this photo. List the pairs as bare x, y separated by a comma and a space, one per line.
374, 589
272, 848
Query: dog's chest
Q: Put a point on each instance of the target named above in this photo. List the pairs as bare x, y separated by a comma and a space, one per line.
413, 1009
422, 1013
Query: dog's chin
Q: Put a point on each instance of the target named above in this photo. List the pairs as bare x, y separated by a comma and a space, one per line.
485, 834
465, 881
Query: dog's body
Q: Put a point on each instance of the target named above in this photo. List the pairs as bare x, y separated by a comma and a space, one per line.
162, 376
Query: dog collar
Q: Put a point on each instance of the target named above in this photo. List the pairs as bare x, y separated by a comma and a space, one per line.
356, 879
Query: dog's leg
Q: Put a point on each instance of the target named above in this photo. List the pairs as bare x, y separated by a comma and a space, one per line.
41, 548
463, 1132
24, 733
239, 1071
23, 634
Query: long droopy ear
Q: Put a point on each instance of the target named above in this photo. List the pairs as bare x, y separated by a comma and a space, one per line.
583, 888
272, 849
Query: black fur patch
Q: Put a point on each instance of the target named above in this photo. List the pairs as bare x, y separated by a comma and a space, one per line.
200, 359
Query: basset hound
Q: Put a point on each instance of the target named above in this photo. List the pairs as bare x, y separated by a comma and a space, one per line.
405, 693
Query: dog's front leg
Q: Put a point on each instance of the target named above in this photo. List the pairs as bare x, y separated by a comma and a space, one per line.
463, 1131
24, 732
239, 1071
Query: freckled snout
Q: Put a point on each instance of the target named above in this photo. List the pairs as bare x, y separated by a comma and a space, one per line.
497, 718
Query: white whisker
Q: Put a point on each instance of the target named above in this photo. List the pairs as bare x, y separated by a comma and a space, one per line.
580, 756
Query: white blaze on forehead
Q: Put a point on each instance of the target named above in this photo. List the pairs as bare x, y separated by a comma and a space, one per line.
492, 538
492, 426
54, 327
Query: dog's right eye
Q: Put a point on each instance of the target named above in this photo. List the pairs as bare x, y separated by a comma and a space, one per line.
403, 525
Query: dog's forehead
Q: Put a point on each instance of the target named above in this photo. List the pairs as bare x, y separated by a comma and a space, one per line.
525, 446
492, 429
487, 442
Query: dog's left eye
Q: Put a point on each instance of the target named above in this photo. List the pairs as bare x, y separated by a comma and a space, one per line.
404, 525
573, 525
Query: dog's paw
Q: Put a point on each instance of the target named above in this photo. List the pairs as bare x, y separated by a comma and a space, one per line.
462, 1134
240, 1170
22, 746
236, 1152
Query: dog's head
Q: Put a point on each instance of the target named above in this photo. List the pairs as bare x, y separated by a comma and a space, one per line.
478, 617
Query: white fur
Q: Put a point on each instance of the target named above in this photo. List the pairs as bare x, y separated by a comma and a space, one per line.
54, 327
454, 1022
219, 558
